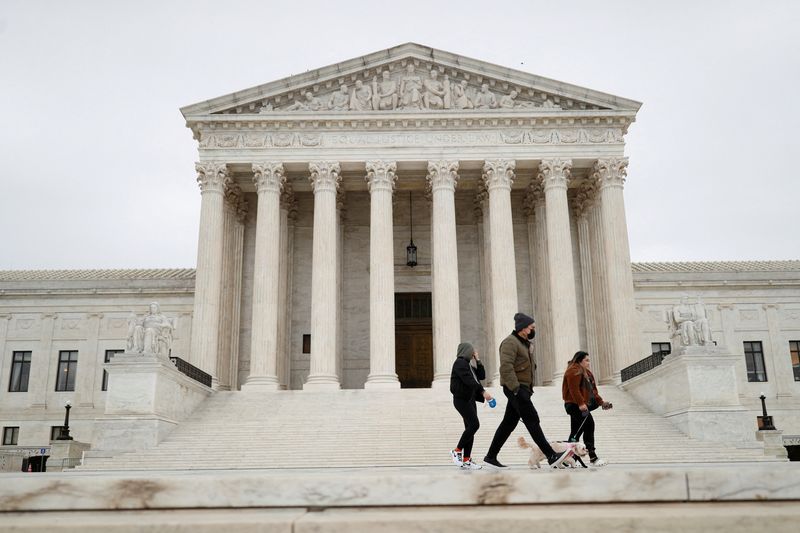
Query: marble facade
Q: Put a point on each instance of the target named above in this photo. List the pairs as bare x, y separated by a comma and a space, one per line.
307, 185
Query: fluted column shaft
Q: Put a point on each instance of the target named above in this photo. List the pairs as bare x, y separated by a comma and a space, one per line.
284, 299
233, 241
603, 365
381, 178
543, 343
325, 178
610, 175
587, 277
498, 175
212, 178
268, 178
443, 176
556, 174
484, 244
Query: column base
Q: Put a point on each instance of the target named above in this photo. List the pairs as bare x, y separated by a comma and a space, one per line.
558, 377
382, 381
441, 384
322, 382
261, 383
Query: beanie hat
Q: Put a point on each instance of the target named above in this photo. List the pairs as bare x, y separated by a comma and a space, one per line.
522, 321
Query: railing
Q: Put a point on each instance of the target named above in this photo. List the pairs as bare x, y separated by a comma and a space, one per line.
640, 367
70, 462
191, 371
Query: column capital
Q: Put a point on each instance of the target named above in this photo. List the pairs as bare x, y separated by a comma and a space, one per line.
212, 176
534, 196
585, 198
610, 172
381, 175
442, 174
325, 175
767, 307
234, 200
268, 176
555, 173
499, 173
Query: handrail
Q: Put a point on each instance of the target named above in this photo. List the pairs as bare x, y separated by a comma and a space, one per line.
191, 371
640, 367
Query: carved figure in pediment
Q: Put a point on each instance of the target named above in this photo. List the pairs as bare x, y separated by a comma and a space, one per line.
508, 101
361, 97
549, 104
411, 90
265, 108
311, 103
485, 99
436, 93
340, 100
384, 94
151, 334
460, 98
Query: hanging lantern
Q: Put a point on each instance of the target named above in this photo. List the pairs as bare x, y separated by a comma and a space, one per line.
411, 250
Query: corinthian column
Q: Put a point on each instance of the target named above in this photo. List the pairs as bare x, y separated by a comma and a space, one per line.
212, 178
555, 174
610, 175
269, 180
325, 180
381, 178
583, 204
498, 175
442, 177
543, 343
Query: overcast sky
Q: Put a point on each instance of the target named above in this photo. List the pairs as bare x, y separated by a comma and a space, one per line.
97, 167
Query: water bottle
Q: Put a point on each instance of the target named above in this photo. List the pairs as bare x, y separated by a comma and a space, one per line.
492, 403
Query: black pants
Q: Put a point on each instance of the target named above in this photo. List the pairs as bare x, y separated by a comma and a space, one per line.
519, 407
587, 431
469, 413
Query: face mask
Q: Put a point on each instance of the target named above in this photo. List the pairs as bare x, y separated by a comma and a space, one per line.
531, 335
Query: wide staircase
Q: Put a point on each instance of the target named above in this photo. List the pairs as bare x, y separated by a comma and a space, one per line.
411, 427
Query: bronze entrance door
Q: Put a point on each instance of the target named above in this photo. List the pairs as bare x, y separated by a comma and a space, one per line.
413, 337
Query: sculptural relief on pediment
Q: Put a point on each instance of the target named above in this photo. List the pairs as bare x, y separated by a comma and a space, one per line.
408, 86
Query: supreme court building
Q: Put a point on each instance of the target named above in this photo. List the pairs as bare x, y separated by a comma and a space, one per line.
312, 189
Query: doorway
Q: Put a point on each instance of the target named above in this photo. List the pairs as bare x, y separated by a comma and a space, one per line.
413, 339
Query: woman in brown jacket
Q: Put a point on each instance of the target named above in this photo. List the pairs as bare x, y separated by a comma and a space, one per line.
579, 391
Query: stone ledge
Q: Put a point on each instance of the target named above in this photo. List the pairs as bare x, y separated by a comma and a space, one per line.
393, 487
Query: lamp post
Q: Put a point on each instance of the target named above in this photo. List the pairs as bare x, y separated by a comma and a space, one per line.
765, 421
64, 435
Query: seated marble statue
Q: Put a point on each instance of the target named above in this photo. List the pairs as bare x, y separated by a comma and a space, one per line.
411, 90
151, 334
384, 93
435, 95
485, 99
340, 100
689, 324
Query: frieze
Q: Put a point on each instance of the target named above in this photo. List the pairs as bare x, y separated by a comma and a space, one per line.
225, 141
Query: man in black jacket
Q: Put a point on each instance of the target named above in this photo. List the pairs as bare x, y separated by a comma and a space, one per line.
465, 385
516, 377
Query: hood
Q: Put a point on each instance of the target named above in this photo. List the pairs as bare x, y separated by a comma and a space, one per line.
465, 351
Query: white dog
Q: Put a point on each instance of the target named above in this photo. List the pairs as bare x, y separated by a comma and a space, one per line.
537, 456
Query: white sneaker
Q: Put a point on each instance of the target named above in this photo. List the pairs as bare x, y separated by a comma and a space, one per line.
469, 465
598, 462
457, 457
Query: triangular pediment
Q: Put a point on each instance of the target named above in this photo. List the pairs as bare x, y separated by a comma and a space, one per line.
410, 78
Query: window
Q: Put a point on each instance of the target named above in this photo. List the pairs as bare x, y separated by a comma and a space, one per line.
109, 355
663, 348
67, 367
754, 357
10, 435
20, 372
794, 349
55, 431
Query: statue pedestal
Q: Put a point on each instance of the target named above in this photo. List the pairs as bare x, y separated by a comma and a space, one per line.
773, 442
697, 391
72, 450
147, 397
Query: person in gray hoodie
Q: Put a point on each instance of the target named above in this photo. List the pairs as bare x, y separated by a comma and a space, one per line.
465, 385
